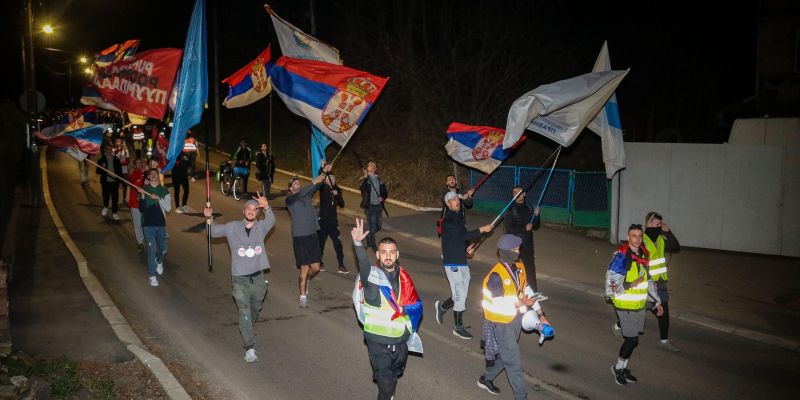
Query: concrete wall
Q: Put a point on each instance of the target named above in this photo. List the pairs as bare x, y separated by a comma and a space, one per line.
718, 196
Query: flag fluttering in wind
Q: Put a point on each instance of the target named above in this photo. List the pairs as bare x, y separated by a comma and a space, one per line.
607, 124
79, 142
334, 98
319, 142
296, 44
116, 52
192, 83
249, 84
479, 147
560, 110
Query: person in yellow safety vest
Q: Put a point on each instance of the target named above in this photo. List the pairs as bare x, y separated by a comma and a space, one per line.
658, 240
190, 148
137, 136
506, 297
389, 308
629, 296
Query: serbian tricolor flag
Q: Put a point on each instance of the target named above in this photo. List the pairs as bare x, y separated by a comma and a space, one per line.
249, 84
78, 143
334, 98
116, 52
479, 147
79, 119
409, 300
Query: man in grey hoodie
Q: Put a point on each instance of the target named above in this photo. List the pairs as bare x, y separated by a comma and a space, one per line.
248, 260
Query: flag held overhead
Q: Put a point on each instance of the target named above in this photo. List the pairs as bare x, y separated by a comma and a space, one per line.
479, 147
297, 44
560, 110
249, 84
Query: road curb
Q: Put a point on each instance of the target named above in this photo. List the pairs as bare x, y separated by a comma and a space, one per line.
111, 313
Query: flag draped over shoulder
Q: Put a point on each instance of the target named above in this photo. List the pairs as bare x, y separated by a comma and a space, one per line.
332, 97
560, 110
191, 85
79, 142
607, 124
139, 84
295, 43
479, 147
249, 84
116, 52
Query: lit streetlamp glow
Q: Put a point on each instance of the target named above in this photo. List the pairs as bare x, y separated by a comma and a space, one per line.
83, 60
87, 71
48, 29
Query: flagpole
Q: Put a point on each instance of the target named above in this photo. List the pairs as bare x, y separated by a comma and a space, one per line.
111, 173
546, 183
208, 203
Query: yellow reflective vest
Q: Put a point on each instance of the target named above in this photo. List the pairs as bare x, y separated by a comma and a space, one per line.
503, 309
635, 297
378, 320
658, 263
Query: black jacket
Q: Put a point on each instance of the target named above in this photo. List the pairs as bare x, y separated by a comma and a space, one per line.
519, 215
455, 238
117, 168
328, 203
366, 187
265, 165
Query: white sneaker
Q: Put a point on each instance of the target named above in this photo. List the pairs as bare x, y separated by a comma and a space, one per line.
104, 212
160, 268
115, 216
250, 356
179, 210
153, 281
186, 209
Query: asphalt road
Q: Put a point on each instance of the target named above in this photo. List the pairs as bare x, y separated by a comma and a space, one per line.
190, 319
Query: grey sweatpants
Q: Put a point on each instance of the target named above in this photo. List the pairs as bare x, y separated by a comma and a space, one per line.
459, 285
509, 359
136, 218
249, 293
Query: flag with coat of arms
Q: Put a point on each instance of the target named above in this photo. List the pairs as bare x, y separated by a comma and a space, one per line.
250, 83
479, 147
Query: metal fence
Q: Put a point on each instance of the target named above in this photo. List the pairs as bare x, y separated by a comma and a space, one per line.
579, 199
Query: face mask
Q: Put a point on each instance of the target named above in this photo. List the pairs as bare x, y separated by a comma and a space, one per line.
653, 232
508, 256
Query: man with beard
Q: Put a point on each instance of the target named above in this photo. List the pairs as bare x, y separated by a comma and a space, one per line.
518, 223
248, 260
388, 306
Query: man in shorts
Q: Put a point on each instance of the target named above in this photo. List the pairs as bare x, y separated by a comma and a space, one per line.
307, 252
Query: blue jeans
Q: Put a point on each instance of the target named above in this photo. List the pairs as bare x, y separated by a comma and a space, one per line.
374, 214
156, 238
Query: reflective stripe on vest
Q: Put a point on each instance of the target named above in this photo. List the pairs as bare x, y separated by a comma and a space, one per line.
635, 297
138, 136
189, 146
502, 309
657, 267
378, 320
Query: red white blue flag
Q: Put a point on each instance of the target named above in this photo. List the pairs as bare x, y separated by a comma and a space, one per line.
78, 143
249, 84
334, 98
479, 147
116, 52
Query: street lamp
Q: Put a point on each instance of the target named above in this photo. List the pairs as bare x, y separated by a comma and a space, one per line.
83, 60
48, 29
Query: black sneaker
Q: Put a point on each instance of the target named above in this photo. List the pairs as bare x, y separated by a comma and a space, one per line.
461, 332
484, 383
628, 376
439, 311
619, 376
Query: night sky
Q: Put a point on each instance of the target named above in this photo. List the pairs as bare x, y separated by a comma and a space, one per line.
686, 63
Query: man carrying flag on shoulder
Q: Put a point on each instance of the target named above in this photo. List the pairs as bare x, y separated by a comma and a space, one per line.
388, 306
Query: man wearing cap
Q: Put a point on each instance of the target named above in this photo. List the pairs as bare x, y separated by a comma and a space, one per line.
455, 238
628, 290
248, 260
506, 297
305, 225
451, 185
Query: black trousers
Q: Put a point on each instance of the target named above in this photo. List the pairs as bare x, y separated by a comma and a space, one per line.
332, 230
111, 192
177, 182
526, 255
388, 363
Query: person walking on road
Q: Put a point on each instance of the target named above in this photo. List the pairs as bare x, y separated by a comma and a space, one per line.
305, 242
108, 183
190, 149
506, 297
373, 194
388, 307
136, 176
154, 204
330, 197
628, 286
451, 185
180, 179
518, 222
248, 260
658, 240
242, 157
266, 169
455, 240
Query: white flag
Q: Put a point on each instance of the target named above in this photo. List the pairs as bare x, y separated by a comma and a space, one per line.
607, 123
561, 110
296, 44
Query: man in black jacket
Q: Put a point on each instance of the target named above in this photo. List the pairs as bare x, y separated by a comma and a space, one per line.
330, 197
108, 183
373, 194
266, 169
455, 238
451, 185
518, 222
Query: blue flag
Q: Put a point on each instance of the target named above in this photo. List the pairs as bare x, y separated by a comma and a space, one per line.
191, 86
319, 142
